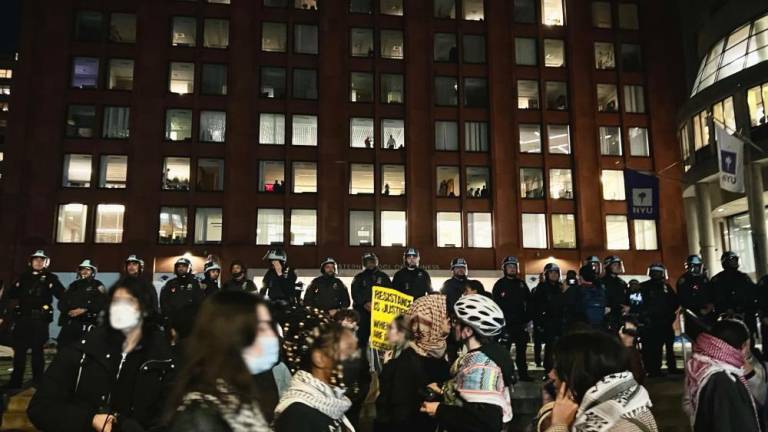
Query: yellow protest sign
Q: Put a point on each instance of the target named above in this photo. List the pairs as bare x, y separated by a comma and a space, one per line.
387, 304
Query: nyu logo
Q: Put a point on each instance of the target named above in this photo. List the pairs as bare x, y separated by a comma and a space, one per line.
642, 197
728, 162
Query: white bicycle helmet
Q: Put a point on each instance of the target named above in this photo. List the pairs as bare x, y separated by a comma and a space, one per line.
481, 313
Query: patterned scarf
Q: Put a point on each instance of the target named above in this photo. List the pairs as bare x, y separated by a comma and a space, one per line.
615, 397
310, 391
239, 417
430, 325
477, 379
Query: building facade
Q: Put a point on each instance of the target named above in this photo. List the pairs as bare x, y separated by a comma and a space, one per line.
461, 127
7, 61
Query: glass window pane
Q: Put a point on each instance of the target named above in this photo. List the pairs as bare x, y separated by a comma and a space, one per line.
303, 227
557, 95
274, 37
476, 136
361, 42
305, 39
176, 174
305, 4
631, 58
563, 231
554, 53
181, 78
272, 129
448, 181
361, 6
361, 87
638, 142
304, 130
479, 230
184, 31
77, 170
109, 223
475, 92
214, 80
269, 226
559, 137
361, 228
531, 183
392, 180
361, 132
272, 176
446, 91
392, 134
607, 98
605, 56
610, 141
210, 175
530, 138
71, 223
113, 172
391, 7
361, 179
116, 122
445, 9
81, 121
89, 26
305, 84
304, 177
392, 89
122, 28
85, 73
645, 234
527, 94
616, 232
478, 181
757, 106
393, 228
209, 223
173, 225
552, 13
216, 33
120, 76
601, 14
613, 185
276, 3
446, 136
534, 231
272, 82
448, 229
392, 46
634, 99
445, 49
473, 10
560, 183
628, 17
213, 126
525, 52
474, 48
525, 11
178, 124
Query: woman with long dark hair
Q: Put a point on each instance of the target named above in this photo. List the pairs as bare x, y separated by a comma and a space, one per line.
112, 379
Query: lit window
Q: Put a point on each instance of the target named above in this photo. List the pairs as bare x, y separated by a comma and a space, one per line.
303, 227
305, 39
448, 184
181, 79
178, 124
219, 1
304, 178
77, 171
632, 58
361, 228
525, 11
393, 228
89, 26
361, 42
209, 224
216, 33
392, 180
305, 4
213, 126
305, 84
116, 122
274, 37
685, 146
273, 82
557, 95
532, 183
701, 130
361, 6
552, 13
605, 56
527, 94
525, 52
616, 232
473, 10
478, 182
445, 9
559, 137
563, 231
210, 175
392, 134
272, 176
361, 87
476, 136
607, 98
120, 76
757, 99
81, 121
613, 185
723, 115
304, 130
122, 28
213, 80
638, 142
361, 132
449, 229
601, 14
645, 234
5, 90
554, 53
392, 89
71, 223
6, 74
634, 99
560, 183
534, 231
113, 171
361, 179
391, 7
446, 136
473, 48
475, 92
392, 46
184, 32
176, 172
628, 17
272, 129
445, 49
610, 141
270, 226
530, 138
479, 230
109, 223
85, 72
173, 225
446, 91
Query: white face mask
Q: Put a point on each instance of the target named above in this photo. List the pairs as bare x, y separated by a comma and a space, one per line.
123, 316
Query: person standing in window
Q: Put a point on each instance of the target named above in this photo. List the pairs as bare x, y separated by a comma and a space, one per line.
327, 292
80, 305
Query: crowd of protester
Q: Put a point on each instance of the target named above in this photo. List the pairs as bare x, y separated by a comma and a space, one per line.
209, 356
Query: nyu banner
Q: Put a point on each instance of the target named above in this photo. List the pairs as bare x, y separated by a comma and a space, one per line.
730, 157
642, 195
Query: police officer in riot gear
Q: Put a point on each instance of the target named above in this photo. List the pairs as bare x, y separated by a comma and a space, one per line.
182, 291
733, 291
615, 291
657, 316
80, 305
327, 292
134, 268
514, 298
412, 279
279, 283
211, 275
595, 301
453, 288
594, 262
32, 295
239, 281
362, 294
693, 287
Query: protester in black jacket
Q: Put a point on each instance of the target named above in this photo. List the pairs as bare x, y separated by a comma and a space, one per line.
80, 305
182, 290
211, 275
116, 379
658, 314
327, 292
514, 298
362, 294
411, 279
239, 281
279, 283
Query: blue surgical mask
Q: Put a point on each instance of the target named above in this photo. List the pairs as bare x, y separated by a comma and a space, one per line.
270, 354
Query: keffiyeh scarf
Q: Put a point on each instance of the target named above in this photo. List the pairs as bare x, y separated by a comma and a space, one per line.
429, 322
477, 379
239, 417
615, 397
310, 391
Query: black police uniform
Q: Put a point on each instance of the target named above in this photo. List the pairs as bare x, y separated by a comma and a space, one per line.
556, 310
327, 293
88, 294
514, 298
693, 292
616, 297
180, 292
209, 286
362, 293
453, 289
34, 292
414, 282
243, 284
733, 291
280, 289
657, 314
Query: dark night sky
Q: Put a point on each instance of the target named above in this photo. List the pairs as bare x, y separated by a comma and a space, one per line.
9, 24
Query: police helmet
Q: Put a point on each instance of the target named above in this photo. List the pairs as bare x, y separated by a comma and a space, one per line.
694, 264
552, 267
510, 260
370, 256
211, 265
411, 252
276, 255
183, 261
40, 254
326, 261
613, 259
729, 257
87, 264
135, 259
657, 268
459, 262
